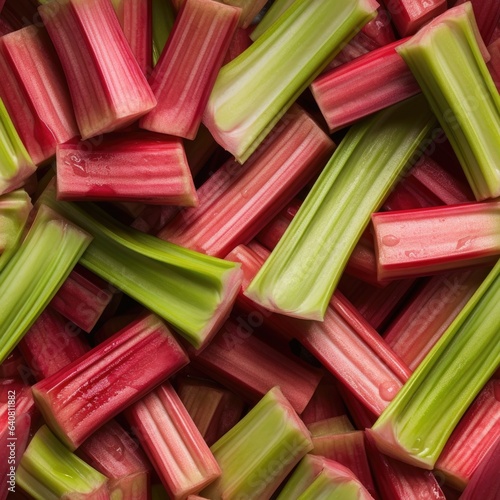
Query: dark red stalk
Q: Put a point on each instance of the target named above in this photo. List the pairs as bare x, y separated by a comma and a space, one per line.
487, 14
380, 29
494, 62
240, 42
12, 367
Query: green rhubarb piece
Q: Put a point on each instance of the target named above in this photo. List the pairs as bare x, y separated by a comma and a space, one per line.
325, 487
35, 272
163, 16
277, 68
447, 59
260, 450
192, 291
16, 164
417, 423
49, 471
275, 11
299, 277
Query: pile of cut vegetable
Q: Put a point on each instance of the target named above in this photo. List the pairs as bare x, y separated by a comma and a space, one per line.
250, 249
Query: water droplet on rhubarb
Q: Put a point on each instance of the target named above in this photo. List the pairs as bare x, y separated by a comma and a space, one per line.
390, 240
388, 390
464, 242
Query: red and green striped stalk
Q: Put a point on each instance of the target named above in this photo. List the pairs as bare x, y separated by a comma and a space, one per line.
428, 240
188, 66
79, 398
361, 87
35, 92
466, 102
112, 452
181, 458
430, 312
310, 33
196, 292
107, 86
251, 368
49, 470
16, 164
487, 14
260, 450
238, 201
26, 287
416, 425
302, 272
134, 167
473, 437
163, 18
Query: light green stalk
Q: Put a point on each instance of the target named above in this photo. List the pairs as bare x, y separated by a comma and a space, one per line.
49, 471
277, 8
16, 164
299, 277
447, 59
259, 451
33, 275
192, 291
417, 423
163, 16
254, 90
325, 487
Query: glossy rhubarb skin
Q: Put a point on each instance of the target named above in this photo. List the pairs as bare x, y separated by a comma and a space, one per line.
48, 470
239, 200
196, 292
303, 270
251, 368
35, 92
112, 451
26, 287
466, 103
16, 164
361, 87
416, 425
78, 399
172, 442
112, 170
473, 437
310, 33
430, 312
487, 14
107, 86
428, 240
188, 66
260, 450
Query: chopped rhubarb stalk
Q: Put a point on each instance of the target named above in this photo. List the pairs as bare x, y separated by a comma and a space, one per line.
415, 426
49, 470
240, 124
248, 366
84, 395
473, 437
257, 454
82, 298
107, 86
325, 403
13, 365
410, 15
347, 448
163, 17
466, 103
188, 66
238, 201
359, 46
35, 92
399, 481
196, 292
330, 426
430, 312
319, 477
180, 456
240, 42
110, 170
487, 14
380, 29
428, 240
26, 287
112, 452
369, 83
16, 165
51, 344
302, 272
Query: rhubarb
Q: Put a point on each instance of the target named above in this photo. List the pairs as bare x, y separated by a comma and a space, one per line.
174, 445
277, 8
415, 426
310, 34
163, 17
107, 86
237, 201
78, 399
487, 14
302, 272
427, 240
466, 102
325, 403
